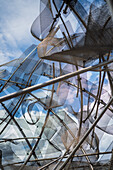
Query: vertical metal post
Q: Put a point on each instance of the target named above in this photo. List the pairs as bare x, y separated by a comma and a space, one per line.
111, 162
1, 167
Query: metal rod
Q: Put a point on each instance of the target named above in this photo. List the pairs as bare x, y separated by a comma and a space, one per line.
84, 90
12, 112
55, 80
63, 23
57, 16
45, 166
111, 162
12, 139
10, 81
45, 159
86, 134
1, 167
17, 69
110, 4
88, 160
76, 13
43, 127
20, 129
100, 85
33, 149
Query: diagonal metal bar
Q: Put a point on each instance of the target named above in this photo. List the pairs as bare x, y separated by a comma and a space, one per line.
57, 16
14, 139
111, 162
63, 23
110, 4
56, 158
88, 160
86, 134
43, 127
55, 80
62, 123
12, 113
20, 129
17, 69
76, 13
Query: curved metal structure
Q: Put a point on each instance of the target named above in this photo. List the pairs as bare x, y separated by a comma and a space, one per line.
57, 98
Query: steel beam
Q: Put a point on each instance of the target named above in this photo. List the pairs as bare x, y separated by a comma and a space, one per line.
55, 80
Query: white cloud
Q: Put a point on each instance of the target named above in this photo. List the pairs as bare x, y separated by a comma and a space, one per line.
89, 74
16, 18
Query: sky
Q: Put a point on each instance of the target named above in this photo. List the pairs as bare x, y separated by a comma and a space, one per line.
16, 18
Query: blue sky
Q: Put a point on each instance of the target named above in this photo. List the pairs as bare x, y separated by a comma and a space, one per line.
16, 18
